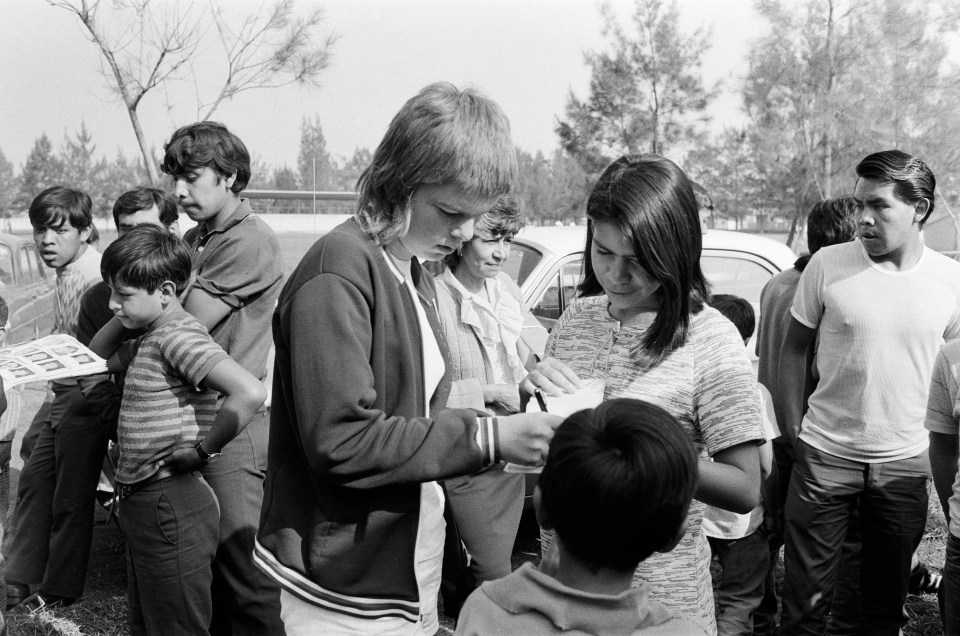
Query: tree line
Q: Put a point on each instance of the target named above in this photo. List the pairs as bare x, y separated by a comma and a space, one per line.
830, 82
827, 83
554, 188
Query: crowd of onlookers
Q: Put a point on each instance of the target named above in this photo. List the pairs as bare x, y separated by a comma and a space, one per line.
411, 394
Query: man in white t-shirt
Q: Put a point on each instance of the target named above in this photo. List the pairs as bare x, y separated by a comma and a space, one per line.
883, 306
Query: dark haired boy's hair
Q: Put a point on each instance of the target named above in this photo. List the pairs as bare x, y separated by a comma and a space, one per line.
618, 482
912, 179
58, 205
737, 310
207, 144
144, 198
4, 312
830, 222
145, 258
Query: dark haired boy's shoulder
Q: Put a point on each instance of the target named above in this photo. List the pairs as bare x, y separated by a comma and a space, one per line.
528, 601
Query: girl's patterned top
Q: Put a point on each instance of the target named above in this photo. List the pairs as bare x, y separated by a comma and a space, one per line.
707, 384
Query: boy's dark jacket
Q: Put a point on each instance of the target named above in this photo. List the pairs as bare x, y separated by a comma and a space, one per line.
349, 447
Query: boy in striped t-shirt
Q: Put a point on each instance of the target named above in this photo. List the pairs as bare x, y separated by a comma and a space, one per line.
169, 428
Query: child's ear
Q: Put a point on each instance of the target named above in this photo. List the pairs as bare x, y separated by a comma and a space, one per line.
85, 234
542, 517
174, 228
168, 291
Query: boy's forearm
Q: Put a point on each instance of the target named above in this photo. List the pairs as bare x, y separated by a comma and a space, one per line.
106, 342
727, 487
792, 377
232, 417
944, 454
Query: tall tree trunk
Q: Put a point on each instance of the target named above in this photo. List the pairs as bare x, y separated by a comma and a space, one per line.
792, 234
828, 133
148, 160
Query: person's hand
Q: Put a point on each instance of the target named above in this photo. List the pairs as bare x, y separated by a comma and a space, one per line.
525, 437
552, 377
182, 460
506, 396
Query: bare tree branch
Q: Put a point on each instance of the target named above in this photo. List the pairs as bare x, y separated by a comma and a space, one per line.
147, 43
270, 49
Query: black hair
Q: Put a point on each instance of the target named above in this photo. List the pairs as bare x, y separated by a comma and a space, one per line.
737, 310
144, 198
58, 205
912, 179
207, 144
830, 222
146, 257
651, 201
618, 482
4, 312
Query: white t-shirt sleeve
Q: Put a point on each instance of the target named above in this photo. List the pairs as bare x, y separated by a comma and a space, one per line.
942, 407
808, 301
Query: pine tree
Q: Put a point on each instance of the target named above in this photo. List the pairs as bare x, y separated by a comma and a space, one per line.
41, 170
314, 166
646, 91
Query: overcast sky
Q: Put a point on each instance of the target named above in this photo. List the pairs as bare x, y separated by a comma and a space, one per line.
526, 54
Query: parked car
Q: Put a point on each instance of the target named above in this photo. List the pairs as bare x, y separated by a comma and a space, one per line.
546, 262
28, 287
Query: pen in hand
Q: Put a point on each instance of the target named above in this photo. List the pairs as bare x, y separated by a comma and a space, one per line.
537, 393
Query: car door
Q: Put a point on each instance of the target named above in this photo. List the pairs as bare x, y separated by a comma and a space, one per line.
742, 274
28, 290
557, 290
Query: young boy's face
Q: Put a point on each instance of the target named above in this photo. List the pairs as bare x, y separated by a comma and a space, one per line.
135, 307
203, 193
59, 245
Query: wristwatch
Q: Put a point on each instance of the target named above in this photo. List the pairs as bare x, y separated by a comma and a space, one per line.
205, 457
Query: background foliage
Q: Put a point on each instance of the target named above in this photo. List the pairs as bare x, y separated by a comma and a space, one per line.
829, 82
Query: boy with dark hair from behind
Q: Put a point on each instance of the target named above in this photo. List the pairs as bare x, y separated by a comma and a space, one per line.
739, 541
616, 488
169, 428
737, 310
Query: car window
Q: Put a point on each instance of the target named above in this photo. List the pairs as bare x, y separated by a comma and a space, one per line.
37, 269
559, 293
6, 265
28, 266
735, 275
523, 259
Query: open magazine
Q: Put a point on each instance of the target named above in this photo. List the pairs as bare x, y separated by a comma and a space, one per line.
50, 358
